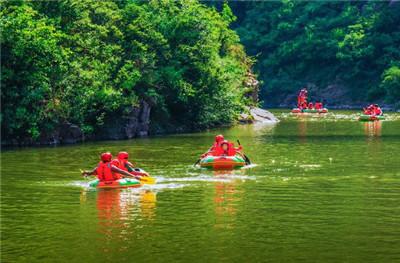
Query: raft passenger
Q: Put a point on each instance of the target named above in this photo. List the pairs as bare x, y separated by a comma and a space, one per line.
122, 162
377, 110
106, 170
318, 106
228, 149
215, 147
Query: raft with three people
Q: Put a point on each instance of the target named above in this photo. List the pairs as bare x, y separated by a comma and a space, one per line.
223, 155
372, 113
222, 162
309, 110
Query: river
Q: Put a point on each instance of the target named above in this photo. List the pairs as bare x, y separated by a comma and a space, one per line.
321, 189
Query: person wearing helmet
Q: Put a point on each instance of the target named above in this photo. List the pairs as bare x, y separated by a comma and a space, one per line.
227, 149
370, 110
106, 170
122, 163
302, 99
218, 139
377, 110
318, 105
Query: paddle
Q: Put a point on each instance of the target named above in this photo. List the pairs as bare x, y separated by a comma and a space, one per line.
247, 160
197, 162
146, 179
143, 179
86, 176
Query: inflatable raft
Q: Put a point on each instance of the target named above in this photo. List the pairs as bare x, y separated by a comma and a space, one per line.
121, 183
222, 162
365, 117
297, 110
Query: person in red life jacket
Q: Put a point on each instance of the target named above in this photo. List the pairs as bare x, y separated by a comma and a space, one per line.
367, 110
370, 110
227, 149
105, 170
215, 147
310, 106
122, 162
377, 110
318, 105
302, 99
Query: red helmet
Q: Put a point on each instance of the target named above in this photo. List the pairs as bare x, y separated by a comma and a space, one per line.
225, 142
106, 157
123, 155
219, 138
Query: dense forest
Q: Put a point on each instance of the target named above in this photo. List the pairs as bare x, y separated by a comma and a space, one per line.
346, 52
182, 65
92, 63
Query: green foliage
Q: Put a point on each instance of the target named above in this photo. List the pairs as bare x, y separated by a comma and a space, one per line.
86, 61
297, 43
391, 83
32, 61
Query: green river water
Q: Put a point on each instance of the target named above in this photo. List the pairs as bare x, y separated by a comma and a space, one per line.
322, 189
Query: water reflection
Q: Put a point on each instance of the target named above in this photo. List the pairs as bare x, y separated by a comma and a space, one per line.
302, 128
148, 201
117, 210
373, 128
226, 199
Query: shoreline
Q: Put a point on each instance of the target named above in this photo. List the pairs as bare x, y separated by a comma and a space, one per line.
8, 147
346, 107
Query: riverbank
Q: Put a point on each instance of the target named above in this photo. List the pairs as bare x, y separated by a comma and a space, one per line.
135, 124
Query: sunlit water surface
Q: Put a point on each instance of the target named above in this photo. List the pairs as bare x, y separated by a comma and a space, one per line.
322, 189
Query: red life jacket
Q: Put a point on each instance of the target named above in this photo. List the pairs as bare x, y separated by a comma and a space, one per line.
378, 111
229, 152
104, 172
121, 165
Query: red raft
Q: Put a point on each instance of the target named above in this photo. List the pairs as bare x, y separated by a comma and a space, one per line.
222, 162
121, 183
297, 110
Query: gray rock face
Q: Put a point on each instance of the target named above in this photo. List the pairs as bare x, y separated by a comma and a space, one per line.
70, 133
261, 115
257, 115
133, 124
66, 133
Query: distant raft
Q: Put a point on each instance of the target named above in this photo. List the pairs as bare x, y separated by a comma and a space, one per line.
297, 110
222, 162
366, 117
121, 183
